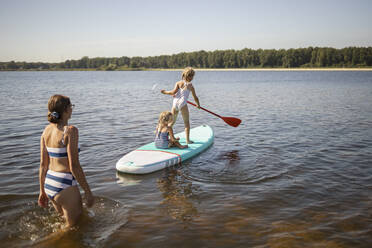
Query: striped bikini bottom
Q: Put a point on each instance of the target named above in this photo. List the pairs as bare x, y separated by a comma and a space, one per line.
55, 182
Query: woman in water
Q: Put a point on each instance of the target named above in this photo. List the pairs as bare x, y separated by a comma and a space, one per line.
60, 168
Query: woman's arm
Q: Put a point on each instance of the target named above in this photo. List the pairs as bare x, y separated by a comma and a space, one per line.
73, 159
171, 92
44, 165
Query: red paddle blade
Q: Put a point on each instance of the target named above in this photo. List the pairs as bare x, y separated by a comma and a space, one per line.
232, 121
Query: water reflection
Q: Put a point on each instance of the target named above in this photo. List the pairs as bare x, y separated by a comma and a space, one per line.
127, 179
231, 157
177, 194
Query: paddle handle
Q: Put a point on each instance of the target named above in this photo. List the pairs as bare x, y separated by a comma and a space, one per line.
205, 109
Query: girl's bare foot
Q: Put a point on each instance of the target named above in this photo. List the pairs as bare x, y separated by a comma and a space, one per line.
183, 147
190, 142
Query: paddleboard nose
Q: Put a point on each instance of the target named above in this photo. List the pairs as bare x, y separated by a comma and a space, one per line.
126, 164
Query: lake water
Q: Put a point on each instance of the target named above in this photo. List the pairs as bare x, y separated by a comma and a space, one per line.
296, 173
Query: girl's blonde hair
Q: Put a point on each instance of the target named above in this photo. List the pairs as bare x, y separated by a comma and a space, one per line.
164, 118
188, 74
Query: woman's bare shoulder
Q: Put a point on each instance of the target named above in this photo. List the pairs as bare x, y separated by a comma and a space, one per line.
47, 130
72, 130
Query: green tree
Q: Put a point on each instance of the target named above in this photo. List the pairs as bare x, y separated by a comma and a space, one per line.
12, 65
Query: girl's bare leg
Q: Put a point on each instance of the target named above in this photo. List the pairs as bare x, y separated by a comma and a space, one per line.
185, 116
177, 144
175, 114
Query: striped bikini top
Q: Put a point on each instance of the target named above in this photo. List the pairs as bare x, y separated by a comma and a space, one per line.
60, 152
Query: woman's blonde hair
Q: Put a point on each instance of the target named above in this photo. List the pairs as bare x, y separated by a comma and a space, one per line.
164, 117
188, 74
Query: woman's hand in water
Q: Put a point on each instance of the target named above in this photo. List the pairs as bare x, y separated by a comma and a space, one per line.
43, 200
89, 199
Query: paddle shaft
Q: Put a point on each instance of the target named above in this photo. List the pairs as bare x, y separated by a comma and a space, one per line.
205, 109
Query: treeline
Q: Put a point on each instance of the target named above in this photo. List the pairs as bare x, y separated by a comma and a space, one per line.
246, 58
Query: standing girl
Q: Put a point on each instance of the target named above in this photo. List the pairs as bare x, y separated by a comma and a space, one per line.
181, 94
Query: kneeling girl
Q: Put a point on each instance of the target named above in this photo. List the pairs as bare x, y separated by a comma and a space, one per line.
164, 137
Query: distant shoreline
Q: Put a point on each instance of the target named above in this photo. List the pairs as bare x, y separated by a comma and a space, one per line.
300, 59
271, 69
211, 69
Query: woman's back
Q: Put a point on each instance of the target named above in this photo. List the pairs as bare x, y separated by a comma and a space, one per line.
55, 140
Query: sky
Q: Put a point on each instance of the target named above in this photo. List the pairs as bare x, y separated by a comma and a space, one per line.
54, 31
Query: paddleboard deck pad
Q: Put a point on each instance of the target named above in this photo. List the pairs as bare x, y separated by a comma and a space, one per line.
148, 158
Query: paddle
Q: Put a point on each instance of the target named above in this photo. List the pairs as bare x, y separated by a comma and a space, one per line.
229, 120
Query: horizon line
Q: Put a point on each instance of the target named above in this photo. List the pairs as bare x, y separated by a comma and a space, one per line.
207, 51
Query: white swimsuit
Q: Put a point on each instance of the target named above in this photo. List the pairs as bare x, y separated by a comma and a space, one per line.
181, 97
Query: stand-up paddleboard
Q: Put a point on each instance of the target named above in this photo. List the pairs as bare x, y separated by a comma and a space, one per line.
148, 158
